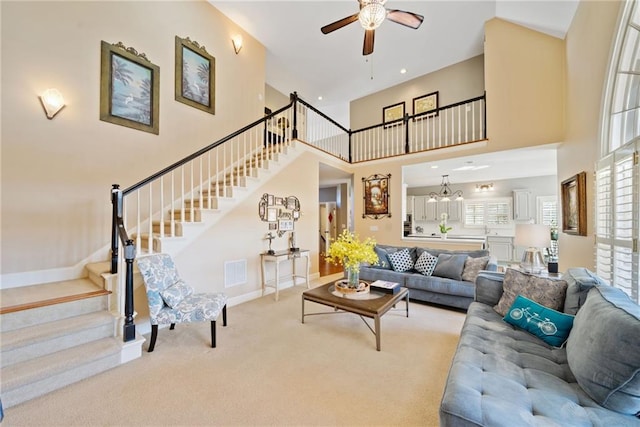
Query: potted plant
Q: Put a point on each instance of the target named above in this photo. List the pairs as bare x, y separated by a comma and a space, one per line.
347, 250
443, 225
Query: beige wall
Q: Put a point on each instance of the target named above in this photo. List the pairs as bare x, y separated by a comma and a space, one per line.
524, 78
57, 174
588, 50
458, 82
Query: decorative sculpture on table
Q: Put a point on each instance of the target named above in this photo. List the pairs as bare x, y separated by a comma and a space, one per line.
270, 237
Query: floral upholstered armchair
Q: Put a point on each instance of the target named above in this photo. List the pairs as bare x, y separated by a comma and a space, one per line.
172, 301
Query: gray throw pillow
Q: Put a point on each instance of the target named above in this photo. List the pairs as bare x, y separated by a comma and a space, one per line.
547, 292
603, 349
472, 267
579, 283
450, 266
383, 261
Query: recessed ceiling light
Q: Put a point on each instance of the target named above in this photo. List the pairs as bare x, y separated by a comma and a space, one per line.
434, 166
403, 71
320, 98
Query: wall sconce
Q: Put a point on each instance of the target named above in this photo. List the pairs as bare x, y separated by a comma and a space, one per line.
52, 102
237, 43
483, 188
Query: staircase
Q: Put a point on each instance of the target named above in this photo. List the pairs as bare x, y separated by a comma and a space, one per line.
55, 334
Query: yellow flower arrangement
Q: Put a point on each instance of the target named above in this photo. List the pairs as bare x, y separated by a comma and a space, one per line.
349, 251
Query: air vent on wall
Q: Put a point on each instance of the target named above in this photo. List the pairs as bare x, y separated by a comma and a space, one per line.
235, 273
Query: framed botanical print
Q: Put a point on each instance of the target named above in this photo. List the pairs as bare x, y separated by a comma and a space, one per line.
426, 105
392, 113
376, 196
574, 205
195, 75
129, 88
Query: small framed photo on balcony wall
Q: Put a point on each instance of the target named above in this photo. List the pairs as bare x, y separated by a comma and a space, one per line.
376, 196
426, 105
392, 113
574, 205
195, 75
129, 88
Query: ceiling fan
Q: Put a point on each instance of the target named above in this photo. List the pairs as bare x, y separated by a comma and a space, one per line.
372, 13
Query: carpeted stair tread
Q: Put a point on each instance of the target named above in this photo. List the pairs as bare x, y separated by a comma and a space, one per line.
31, 371
51, 330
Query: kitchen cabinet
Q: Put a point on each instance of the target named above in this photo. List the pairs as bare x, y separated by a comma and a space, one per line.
423, 210
500, 247
410, 205
522, 206
452, 208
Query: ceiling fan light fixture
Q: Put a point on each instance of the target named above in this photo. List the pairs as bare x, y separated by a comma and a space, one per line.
372, 14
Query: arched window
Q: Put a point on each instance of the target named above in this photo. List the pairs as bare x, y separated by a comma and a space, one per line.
617, 177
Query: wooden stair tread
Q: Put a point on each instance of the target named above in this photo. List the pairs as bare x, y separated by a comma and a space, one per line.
34, 296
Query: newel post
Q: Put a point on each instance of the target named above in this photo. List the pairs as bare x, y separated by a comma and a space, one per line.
406, 133
129, 328
116, 212
294, 100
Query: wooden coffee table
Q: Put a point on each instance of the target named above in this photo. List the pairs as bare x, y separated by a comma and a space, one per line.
374, 305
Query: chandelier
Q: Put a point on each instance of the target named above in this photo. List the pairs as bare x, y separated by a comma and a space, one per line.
372, 14
446, 193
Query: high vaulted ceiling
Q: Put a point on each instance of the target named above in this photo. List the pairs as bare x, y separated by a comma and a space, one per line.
300, 58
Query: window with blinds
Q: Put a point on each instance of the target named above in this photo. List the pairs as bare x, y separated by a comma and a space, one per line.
547, 207
617, 183
490, 212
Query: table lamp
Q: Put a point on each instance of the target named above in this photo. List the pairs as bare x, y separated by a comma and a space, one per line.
533, 237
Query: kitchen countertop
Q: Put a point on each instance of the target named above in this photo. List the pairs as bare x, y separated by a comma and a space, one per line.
450, 238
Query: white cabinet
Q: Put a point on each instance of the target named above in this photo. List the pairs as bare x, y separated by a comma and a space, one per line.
452, 208
410, 205
500, 247
423, 210
522, 206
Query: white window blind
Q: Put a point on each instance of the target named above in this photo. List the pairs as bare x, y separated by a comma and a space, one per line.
490, 212
547, 210
617, 183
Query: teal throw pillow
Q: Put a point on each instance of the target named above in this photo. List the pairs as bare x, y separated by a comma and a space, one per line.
547, 324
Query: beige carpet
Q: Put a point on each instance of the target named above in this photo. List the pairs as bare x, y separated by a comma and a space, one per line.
270, 369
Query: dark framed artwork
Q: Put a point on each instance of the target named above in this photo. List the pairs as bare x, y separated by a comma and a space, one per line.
574, 205
392, 113
129, 88
376, 196
195, 75
426, 105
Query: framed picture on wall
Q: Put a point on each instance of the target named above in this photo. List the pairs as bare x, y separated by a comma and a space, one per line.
376, 196
392, 113
574, 205
426, 105
129, 88
195, 75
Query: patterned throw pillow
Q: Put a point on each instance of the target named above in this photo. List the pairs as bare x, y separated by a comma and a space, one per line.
175, 293
401, 260
547, 292
383, 261
549, 325
472, 267
426, 263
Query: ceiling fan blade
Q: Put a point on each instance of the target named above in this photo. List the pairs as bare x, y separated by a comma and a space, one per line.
408, 19
369, 36
339, 24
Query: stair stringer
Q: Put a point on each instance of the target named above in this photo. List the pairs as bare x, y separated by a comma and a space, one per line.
173, 245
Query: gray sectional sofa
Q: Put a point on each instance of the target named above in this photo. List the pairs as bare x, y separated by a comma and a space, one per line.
446, 285
502, 375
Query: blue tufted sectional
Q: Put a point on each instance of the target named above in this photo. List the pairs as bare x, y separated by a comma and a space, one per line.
502, 375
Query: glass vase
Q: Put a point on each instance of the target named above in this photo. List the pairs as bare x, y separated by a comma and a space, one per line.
353, 278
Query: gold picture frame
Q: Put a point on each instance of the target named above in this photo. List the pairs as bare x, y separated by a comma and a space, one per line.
392, 114
129, 88
195, 73
574, 205
376, 196
426, 105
